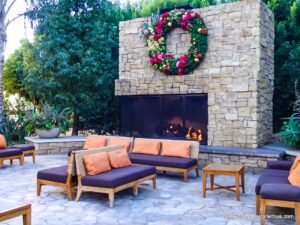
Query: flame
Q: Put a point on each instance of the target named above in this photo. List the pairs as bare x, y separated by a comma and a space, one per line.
195, 135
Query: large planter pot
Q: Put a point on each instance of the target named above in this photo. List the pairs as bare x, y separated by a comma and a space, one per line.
53, 133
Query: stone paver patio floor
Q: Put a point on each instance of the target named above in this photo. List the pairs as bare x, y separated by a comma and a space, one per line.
172, 203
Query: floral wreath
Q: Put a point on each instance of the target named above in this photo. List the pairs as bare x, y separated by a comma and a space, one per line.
156, 37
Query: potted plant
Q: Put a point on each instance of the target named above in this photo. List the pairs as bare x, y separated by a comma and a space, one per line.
47, 122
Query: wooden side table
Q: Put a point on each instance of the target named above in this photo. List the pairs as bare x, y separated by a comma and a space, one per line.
10, 209
226, 170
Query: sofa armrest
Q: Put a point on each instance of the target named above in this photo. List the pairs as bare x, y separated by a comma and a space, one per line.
284, 192
280, 165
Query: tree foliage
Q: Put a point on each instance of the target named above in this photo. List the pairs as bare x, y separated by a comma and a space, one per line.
287, 56
77, 58
16, 68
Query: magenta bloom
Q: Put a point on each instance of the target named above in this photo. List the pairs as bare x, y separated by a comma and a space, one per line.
160, 24
152, 60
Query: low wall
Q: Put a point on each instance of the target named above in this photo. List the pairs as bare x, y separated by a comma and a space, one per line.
254, 160
55, 145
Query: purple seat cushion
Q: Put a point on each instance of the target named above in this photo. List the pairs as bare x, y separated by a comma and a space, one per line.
284, 192
269, 179
280, 165
56, 174
24, 147
118, 177
6, 152
167, 161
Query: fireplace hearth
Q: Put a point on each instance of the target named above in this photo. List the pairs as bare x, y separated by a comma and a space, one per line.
183, 117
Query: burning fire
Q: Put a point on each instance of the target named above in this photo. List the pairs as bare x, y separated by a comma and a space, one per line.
176, 130
193, 134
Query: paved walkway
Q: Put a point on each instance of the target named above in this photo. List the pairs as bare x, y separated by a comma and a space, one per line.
172, 203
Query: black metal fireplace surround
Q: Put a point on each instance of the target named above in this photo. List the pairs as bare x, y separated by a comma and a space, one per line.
165, 116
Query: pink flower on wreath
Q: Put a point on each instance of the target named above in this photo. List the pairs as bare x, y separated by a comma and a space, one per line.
155, 37
181, 64
152, 60
160, 23
159, 31
165, 14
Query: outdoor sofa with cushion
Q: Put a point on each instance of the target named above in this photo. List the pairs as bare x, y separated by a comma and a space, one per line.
182, 163
113, 179
15, 151
10, 154
273, 188
99, 141
62, 176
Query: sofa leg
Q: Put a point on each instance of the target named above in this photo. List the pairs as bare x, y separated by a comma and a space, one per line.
197, 171
38, 188
111, 196
297, 213
257, 205
135, 190
33, 156
185, 176
263, 211
79, 191
11, 161
1, 163
154, 182
21, 159
70, 195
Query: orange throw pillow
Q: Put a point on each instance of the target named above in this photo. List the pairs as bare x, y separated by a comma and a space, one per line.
143, 146
119, 141
294, 177
176, 148
295, 164
3, 143
119, 159
95, 141
96, 163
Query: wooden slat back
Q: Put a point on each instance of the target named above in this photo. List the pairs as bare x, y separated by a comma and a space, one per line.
80, 168
194, 145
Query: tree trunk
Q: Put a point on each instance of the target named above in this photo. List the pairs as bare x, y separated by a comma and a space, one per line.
2, 51
75, 124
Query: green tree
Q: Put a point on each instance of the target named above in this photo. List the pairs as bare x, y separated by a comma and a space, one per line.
77, 54
16, 68
287, 56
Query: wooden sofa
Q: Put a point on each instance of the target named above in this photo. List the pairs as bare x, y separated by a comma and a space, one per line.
168, 163
112, 181
62, 176
11, 154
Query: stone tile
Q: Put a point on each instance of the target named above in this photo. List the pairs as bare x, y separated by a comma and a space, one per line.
172, 203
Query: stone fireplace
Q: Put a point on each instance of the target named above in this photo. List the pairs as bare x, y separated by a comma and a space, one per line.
236, 76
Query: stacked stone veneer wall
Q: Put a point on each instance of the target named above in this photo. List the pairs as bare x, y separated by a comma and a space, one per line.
237, 72
252, 164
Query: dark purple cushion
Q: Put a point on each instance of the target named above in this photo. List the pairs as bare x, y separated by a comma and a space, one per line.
276, 173
267, 179
283, 192
167, 161
118, 177
24, 147
280, 165
6, 152
56, 174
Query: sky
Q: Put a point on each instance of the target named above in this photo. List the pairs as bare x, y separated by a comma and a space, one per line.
18, 29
